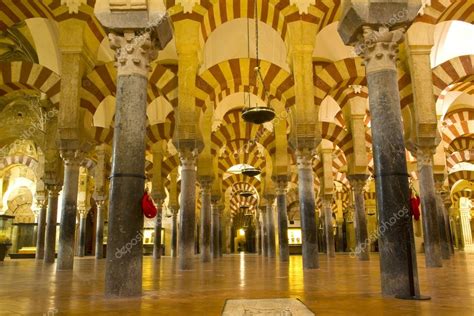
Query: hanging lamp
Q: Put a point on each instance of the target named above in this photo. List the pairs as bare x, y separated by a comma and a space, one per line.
257, 114
246, 193
250, 171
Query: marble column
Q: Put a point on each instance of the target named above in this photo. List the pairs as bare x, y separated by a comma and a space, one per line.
379, 48
429, 211
258, 237
270, 226
307, 209
52, 219
99, 230
363, 245
442, 218
40, 229
221, 232
158, 227
82, 232
187, 219
206, 215
67, 229
174, 233
215, 230
328, 227
446, 200
281, 189
123, 270
264, 237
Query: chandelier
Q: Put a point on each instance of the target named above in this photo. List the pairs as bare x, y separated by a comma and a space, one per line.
256, 114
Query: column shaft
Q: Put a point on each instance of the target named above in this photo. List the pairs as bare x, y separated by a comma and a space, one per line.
215, 232
52, 218
307, 210
157, 242
206, 214
270, 228
67, 228
82, 234
264, 234
123, 274
174, 235
363, 245
41, 232
327, 209
99, 233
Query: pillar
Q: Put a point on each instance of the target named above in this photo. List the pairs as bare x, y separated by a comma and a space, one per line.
99, 230
362, 240
270, 226
378, 45
446, 204
187, 219
158, 227
41, 229
443, 221
67, 229
258, 234
281, 190
82, 232
307, 209
215, 230
328, 227
123, 271
174, 233
206, 213
52, 219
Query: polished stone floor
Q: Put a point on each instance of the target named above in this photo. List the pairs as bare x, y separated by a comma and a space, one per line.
342, 286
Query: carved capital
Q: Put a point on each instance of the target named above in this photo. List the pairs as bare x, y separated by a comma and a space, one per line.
326, 201
304, 158
358, 182
424, 157
281, 187
72, 157
133, 53
53, 189
206, 183
187, 158
379, 48
82, 211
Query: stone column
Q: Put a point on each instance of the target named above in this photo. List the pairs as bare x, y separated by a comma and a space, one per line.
205, 242
215, 229
446, 204
123, 271
270, 226
429, 209
379, 47
221, 231
174, 233
443, 224
264, 238
327, 210
82, 232
41, 229
258, 236
52, 219
363, 246
158, 226
187, 156
67, 229
99, 231
307, 209
281, 189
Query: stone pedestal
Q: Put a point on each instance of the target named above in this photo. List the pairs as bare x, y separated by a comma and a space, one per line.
328, 227
429, 210
82, 233
206, 213
282, 220
99, 232
52, 218
187, 213
363, 243
40, 230
379, 48
67, 231
307, 209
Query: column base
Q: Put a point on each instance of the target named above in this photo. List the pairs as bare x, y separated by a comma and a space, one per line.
414, 298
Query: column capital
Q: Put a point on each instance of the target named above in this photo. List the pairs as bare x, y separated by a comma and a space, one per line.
326, 200
100, 203
53, 189
83, 211
358, 182
72, 157
281, 184
206, 183
379, 47
187, 157
304, 158
424, 156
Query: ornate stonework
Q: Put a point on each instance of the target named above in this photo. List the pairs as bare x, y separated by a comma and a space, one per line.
379, 48
187, 157
133, 53
187, 5
73, 5
303, 5
120, 5
304, 159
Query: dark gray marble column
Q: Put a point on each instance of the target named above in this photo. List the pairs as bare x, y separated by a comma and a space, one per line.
221, 236
158, 226
51, 221
446, 199
40, 229
187, 219
206, 214
443, 225
67, 229
258, 237
328, 227
270, 226
360, 220
399, 273
307, 209
429, 210
282, 219
215, 230
99, 232
264, 232
174, 233
82, 233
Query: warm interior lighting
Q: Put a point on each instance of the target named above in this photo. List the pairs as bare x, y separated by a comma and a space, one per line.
241, 232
